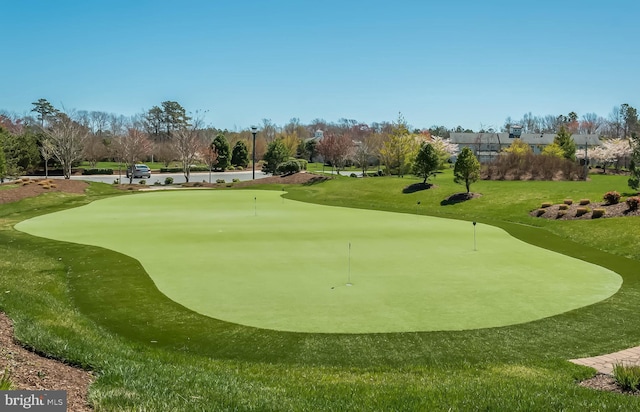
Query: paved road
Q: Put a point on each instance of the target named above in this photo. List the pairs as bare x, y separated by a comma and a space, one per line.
177, 177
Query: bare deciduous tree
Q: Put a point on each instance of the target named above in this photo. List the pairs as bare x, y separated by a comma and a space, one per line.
132, 147
164, 151
94, 150
67, 138
189, 145
46, 150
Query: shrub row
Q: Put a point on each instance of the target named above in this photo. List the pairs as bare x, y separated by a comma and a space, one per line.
97, 172
512, 166
196, 169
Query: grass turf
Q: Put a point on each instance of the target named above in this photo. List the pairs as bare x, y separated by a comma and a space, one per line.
285, 265
99, 309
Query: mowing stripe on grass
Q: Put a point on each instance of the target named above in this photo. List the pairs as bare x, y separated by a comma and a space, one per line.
246, 257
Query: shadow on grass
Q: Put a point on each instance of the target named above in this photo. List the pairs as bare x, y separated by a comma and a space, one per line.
416, 187
315, 180
458, 198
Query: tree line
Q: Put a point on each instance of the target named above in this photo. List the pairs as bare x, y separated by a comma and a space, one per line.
168, 133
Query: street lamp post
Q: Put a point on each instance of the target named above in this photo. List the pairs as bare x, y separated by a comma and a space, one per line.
254, 130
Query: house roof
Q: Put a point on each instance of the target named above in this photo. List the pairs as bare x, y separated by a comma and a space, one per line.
530, 138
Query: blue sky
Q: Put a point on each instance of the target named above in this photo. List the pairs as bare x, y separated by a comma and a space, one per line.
468, 63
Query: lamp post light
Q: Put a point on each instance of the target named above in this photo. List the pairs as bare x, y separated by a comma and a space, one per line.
586, 159
254, 130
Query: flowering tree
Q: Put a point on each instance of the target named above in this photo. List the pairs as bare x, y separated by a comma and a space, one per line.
612, 151
335, 149
445, 149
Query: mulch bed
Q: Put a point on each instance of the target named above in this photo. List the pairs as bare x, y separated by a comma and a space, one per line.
617, 210
29, 371
26, 187
607, 383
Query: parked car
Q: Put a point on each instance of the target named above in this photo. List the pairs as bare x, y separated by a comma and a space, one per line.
139, 171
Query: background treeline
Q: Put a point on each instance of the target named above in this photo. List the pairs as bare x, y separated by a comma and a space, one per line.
50, 137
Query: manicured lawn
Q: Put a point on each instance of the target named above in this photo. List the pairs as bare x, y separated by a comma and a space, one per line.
98, 308
248, 257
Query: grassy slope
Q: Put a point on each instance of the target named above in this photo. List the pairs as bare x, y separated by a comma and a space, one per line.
207, 365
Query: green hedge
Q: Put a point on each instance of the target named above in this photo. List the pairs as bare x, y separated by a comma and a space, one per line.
97, 172
179, 169
288, 167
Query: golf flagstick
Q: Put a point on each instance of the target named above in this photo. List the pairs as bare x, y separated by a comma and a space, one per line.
349, 273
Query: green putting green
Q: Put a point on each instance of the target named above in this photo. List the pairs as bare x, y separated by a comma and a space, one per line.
252, 258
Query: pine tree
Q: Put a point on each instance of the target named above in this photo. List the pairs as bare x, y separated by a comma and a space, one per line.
240, 154
3, 165
564, 140
276, 153
221, 146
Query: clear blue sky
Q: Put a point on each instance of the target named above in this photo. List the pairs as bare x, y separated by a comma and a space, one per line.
447, 62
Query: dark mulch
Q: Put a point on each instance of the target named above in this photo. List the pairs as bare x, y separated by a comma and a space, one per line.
607, 383
30, 371
616, 210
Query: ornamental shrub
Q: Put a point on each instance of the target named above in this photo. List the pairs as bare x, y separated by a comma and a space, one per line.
220, 181
612, 197
563, 206
540, 212
568, 201
288, 167
584, 202
303, 164
628, 377
633, 203
545, 204
597, 213
168, 180
582, 211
